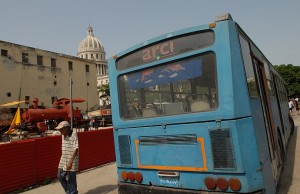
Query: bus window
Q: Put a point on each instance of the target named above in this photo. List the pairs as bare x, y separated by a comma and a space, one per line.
251, 81
180, 87
165, 49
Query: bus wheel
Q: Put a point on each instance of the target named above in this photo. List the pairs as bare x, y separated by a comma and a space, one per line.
292, 124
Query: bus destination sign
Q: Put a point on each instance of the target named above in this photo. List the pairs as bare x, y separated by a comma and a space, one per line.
174, 46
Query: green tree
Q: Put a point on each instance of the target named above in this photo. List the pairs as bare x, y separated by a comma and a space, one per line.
291, 75
104, 90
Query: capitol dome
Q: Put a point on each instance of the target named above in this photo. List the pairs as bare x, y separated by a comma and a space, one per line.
91, 48
90, 44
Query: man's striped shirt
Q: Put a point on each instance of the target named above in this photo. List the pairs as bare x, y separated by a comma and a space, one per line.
69, 144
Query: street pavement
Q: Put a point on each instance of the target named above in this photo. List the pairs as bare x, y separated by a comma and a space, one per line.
289, 182
103, 180
100, 180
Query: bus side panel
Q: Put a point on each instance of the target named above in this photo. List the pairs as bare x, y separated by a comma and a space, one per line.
285, 117
263, 147
240, 89
250, 153
281, 132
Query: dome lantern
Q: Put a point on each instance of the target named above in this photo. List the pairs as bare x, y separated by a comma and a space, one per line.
90, 31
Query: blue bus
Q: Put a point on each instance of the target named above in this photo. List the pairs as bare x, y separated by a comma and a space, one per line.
198, 110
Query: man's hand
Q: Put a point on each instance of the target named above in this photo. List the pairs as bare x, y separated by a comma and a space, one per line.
69, 165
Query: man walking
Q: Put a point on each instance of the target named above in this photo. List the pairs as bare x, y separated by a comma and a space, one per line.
68, 165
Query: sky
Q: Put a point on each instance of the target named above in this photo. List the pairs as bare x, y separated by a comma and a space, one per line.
60, 25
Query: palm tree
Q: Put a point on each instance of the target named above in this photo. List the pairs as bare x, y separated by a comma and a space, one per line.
104, 92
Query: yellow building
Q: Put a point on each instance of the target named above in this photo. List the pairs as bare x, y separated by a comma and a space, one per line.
27, 73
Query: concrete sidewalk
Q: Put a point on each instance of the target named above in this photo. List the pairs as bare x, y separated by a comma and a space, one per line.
289, 182
100, 180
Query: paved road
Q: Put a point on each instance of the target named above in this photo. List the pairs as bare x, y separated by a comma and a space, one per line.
103, 180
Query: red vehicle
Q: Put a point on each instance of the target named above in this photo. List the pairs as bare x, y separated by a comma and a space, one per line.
37, 118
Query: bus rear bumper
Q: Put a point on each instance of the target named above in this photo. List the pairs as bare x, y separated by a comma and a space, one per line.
125, 188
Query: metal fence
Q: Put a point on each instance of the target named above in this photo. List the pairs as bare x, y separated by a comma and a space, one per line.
28, 162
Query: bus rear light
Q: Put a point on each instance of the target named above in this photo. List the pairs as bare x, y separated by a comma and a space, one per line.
210, 183
212, 25
235, 184
124, 176
222, 184
138, 177
131, 176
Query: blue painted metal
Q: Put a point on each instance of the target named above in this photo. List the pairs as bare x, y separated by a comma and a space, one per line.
236, 111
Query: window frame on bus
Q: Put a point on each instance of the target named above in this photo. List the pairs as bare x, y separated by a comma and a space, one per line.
206, 97
150, 50
248, 66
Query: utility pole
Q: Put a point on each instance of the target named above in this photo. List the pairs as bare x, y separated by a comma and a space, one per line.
71, 104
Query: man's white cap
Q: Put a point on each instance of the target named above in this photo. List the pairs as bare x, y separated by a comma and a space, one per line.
62, 124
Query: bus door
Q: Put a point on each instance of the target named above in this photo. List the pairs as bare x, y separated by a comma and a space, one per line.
268, 118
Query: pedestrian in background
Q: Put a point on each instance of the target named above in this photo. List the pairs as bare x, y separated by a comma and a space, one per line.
68, 164
297, 106
291, 104
93, 120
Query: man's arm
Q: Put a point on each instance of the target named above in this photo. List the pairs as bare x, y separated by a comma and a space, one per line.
69, 165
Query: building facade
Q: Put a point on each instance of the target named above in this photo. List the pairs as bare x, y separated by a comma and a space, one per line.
27, 73
91, 48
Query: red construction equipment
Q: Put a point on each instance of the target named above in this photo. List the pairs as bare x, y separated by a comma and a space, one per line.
41, 117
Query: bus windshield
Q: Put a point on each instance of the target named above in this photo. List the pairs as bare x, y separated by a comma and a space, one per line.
180, 87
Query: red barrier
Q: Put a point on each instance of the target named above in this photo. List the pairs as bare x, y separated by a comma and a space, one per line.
24, 163
48, 152
17, 165
91, 144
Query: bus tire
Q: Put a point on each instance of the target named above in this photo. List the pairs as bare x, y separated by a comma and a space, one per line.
292, 124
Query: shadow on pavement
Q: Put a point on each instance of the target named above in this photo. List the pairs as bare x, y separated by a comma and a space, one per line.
286, 176
102, 189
